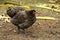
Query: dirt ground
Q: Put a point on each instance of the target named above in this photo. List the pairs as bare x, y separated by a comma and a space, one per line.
40, 30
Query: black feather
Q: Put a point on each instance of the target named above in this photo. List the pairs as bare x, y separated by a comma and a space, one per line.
20, 17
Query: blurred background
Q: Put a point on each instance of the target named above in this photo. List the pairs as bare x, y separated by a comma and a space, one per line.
40, 30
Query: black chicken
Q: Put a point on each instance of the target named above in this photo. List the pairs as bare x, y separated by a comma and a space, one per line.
21, 17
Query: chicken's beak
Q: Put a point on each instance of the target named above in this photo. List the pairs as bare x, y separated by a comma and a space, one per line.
35, 12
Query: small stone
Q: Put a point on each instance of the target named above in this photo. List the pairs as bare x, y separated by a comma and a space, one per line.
14, 30
0, 26
10, 29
